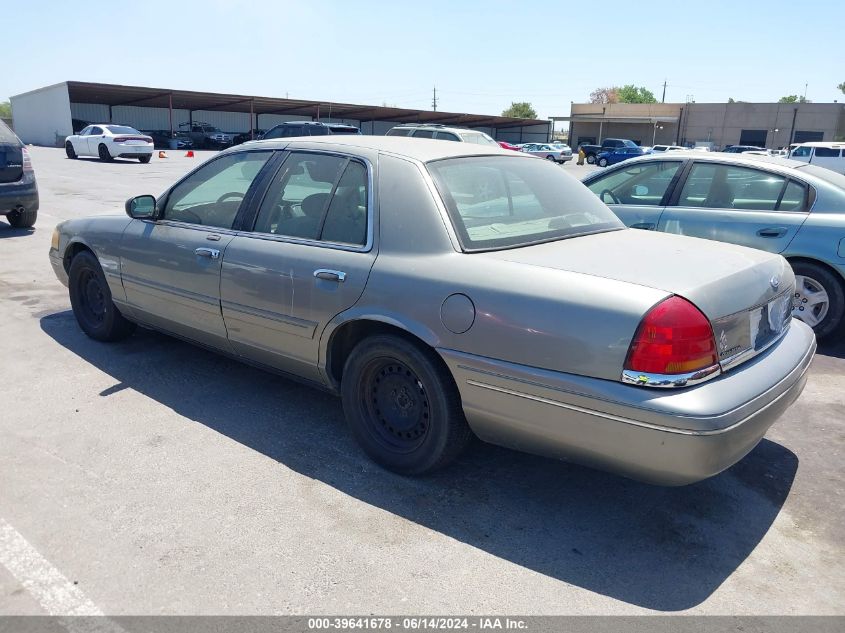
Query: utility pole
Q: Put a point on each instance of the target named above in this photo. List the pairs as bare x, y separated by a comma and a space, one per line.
805, 92
663, 100
434, 100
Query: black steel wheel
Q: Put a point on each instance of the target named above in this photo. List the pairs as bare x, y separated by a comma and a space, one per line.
402, 405
91, 301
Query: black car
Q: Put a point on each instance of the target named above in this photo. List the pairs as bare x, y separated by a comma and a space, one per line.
309, 128
162, 139
18, 189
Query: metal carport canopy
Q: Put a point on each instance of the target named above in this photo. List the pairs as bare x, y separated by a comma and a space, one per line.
117, 95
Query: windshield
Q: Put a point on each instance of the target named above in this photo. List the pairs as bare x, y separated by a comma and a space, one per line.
121, 129
630, 144
478, 138
500, 202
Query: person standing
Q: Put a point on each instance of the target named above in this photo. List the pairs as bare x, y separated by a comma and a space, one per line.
581, 155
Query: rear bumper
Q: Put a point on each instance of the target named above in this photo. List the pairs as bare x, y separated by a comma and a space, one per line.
667, 437
23, 193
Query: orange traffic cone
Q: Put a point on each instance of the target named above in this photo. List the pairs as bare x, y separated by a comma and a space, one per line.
190, 154
162, 154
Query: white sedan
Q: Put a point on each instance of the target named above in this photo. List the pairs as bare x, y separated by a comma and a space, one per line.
547, 151
109, 142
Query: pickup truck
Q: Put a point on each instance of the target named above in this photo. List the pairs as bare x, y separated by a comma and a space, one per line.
607, 145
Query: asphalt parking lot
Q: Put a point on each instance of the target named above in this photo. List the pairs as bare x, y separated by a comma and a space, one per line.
158, 478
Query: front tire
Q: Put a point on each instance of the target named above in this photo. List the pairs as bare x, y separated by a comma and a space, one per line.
819, 299
22, 219
71, 153
104, 154
550, 157
591, 159
402, 405
602, 162
91, 301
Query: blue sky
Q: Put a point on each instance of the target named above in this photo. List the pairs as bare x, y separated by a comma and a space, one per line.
480, 55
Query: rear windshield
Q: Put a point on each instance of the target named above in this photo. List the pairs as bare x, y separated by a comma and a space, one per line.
121, 129
344, 129
478, 138
6, 135
498, 202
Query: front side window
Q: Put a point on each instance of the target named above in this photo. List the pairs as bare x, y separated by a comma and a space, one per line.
718, 186
500, 202
640, 183
212, 195
802, 152
317, 197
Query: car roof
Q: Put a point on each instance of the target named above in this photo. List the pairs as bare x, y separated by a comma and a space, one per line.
420, 149
783, 165
836, 144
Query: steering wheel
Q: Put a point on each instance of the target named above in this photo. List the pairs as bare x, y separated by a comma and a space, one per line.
613, 197
231, 194
186, 215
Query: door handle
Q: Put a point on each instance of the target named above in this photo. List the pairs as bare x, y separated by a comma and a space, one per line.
330, 275
772, 232
646, 226
211, 253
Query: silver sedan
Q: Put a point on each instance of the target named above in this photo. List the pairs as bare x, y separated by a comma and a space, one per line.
446, 289
780, 206
556, 153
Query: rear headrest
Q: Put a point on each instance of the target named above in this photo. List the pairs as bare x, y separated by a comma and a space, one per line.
313, 205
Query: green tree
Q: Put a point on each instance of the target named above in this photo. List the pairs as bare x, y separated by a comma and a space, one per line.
521, 110
793, 99
842, 87
5, 110
633, 94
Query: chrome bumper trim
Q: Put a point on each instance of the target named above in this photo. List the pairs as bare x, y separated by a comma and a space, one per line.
671, 381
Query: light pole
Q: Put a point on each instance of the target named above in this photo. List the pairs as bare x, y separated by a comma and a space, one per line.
774, 137
654, 136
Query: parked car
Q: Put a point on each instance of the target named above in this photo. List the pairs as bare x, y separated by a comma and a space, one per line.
617, 155
308, 128
739, 149
162, 138
445, 289
547, 151
830, 155
664, 148
505, 145
108, 142
776, 205
442, 133
18, 188
591, 152
205, 135
244, 137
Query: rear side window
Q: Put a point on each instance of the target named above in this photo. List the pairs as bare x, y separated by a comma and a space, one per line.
96, 131
794, 197
827, 152
424, 134
317, 130
6, 135
342, 129
717, 186
446, 136
317, 197
478, 139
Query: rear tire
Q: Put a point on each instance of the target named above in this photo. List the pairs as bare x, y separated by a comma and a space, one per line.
145, 159
71, 153
550, 157
91, 301
814, 278
22, 219
402, 405
104, 154
602, 162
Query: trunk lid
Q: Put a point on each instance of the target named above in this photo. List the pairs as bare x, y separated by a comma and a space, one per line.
745, 293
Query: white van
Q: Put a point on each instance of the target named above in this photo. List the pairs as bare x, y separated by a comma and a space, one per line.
830, 155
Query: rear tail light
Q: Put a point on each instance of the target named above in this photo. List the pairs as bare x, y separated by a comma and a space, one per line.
674, 338
120, 139
27, 161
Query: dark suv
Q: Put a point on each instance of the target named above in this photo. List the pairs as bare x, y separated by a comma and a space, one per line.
309, 128
18, 189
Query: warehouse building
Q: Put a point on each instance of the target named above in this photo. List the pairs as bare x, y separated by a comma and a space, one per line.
47, 115
771, 125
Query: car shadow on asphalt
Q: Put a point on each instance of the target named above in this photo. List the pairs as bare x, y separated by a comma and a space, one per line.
9, 231
660, 548
837, 349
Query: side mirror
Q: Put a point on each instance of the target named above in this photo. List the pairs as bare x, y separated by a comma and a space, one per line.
141, 207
